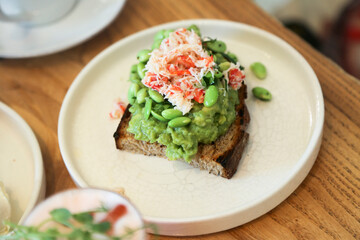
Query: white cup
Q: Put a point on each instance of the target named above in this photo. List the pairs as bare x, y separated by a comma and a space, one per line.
34, 12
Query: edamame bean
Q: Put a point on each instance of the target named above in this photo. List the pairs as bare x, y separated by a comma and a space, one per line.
216, 46
158, 117
195, 29
219, 58
141, 70
211, 96
262, 93
133, 68
141, 95
147, 108
134, 77
159, 35
232, 56
224, 66
171, 113
133, 89
179, 122
156, 96
259, 70
156, 44
131, 98
143, 56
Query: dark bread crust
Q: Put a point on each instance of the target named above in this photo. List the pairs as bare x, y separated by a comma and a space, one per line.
220, 158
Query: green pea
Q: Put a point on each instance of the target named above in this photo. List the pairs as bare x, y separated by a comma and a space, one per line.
217, 46
224, 66
156, 96
156, 44
140, 70
147, 108
262, 93
158, 117
220, 58
195, 29
134, 77
179, 122
141, 95
159, 35
171, 113
232, 56
211, 96
143, 56
133, 68
259, 70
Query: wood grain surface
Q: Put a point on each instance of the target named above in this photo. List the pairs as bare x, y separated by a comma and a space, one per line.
325, 206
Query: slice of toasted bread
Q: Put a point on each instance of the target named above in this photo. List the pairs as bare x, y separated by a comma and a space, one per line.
220, 158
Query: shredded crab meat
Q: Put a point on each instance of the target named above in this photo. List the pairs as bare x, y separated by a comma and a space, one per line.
175, 69
234, 76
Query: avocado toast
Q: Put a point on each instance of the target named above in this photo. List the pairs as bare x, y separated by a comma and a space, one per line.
187, 101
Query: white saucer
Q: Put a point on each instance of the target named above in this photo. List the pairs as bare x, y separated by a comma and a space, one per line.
86, 19
21, 164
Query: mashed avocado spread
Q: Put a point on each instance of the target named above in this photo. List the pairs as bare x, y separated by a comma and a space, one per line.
207, 124
184, 91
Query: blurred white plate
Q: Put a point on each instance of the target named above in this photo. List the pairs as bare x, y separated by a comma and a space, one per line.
86, 19
285, 136
21, 164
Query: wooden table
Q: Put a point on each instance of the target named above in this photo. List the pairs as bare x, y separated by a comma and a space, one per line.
325, 206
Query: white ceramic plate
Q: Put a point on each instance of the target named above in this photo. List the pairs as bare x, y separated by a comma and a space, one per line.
86, 19
21, 164
285, 136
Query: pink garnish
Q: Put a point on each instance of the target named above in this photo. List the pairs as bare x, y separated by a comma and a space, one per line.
118, 109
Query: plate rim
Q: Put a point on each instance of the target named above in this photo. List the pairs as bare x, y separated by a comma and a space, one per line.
297, 174
38, 192
38, 52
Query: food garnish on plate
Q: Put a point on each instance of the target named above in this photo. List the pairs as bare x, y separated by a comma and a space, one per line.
187, 101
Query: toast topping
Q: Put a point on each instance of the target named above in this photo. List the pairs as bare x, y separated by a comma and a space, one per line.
175, 69
185, 91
